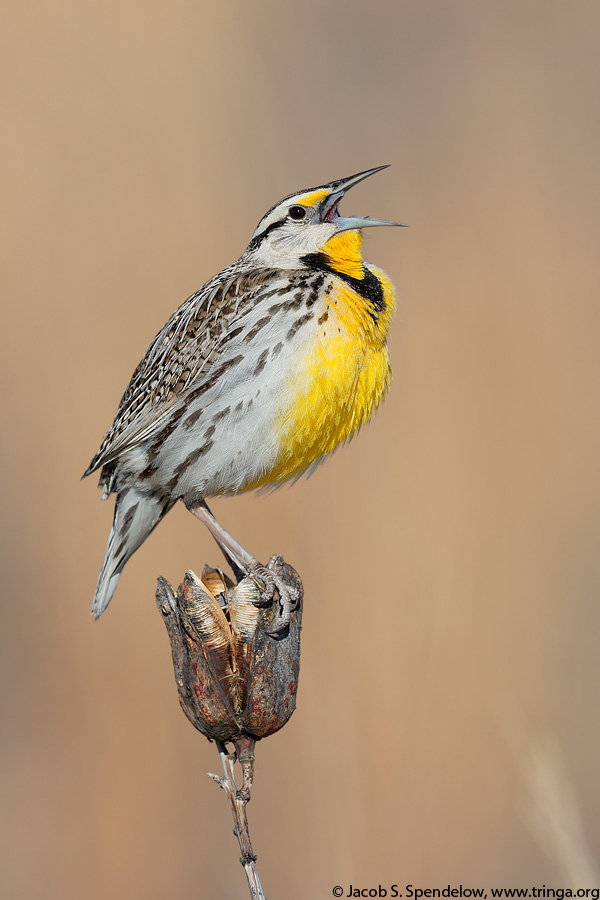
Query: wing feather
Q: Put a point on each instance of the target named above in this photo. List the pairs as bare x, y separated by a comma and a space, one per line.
182, 353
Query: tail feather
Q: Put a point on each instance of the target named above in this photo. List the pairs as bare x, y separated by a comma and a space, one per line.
136, 515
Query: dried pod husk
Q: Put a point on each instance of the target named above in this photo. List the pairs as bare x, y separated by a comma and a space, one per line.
275, 667
211, 627
216, 583
244, 613
201, 695
208, 623
244, 617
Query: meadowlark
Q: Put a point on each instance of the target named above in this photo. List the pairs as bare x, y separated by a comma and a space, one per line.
253, 381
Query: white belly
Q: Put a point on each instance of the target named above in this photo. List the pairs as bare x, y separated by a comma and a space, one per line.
227, 437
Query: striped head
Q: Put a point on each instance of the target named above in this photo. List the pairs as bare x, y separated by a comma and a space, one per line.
307, 225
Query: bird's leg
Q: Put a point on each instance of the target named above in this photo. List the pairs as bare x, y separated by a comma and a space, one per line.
241, 560
232, 549
237, 567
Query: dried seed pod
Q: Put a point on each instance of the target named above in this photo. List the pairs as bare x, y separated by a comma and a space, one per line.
236, 682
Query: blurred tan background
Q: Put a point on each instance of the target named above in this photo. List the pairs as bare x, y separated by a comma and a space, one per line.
447, 728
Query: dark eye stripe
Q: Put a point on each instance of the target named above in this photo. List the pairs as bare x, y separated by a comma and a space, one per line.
257, 241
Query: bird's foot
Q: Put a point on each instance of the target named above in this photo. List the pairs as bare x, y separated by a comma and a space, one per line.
264, 581
272, 581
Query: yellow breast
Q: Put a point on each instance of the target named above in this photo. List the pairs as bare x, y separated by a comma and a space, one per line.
341, 381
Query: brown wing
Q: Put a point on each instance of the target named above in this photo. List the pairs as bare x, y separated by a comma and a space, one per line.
184, 350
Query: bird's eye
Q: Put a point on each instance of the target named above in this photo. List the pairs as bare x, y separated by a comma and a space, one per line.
297, 212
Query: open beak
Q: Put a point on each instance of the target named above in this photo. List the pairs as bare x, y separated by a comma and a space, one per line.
337, 189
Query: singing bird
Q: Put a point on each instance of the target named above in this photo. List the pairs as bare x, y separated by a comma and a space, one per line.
253, 381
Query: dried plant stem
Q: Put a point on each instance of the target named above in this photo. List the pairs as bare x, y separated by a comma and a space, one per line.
238, 797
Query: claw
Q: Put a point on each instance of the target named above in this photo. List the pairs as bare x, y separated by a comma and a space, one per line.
270, 583
265, 582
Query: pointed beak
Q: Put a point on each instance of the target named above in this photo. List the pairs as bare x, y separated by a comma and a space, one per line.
337, 189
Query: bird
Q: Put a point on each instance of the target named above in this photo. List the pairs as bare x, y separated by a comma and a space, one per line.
253, 381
